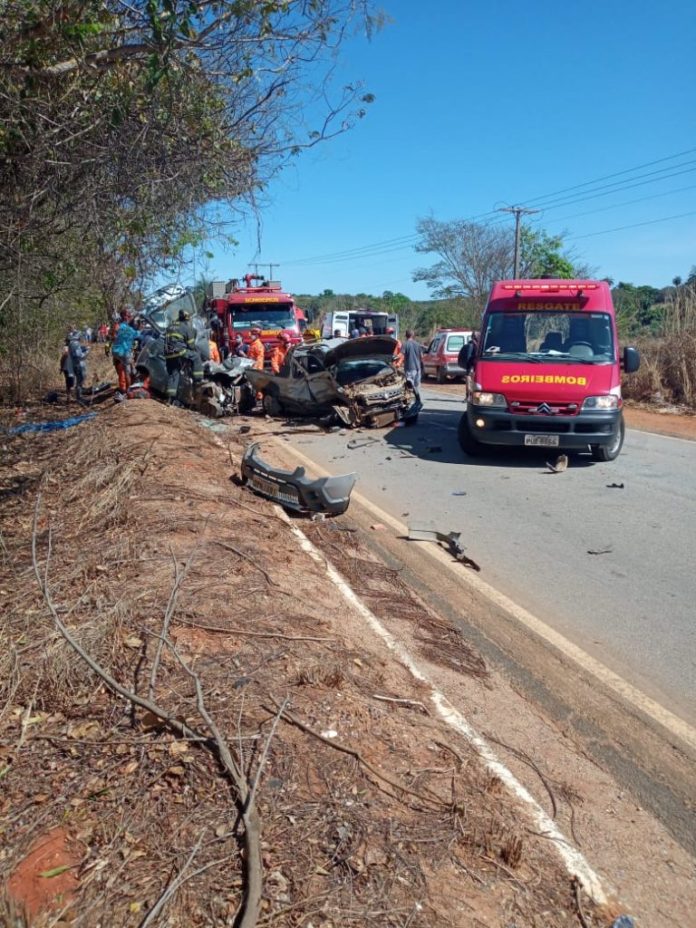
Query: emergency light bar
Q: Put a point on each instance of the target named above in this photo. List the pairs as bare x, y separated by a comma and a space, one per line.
550, 287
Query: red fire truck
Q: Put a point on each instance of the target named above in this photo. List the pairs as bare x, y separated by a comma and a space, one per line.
253, 301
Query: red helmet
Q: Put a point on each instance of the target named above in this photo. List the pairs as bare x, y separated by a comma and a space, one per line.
390, 331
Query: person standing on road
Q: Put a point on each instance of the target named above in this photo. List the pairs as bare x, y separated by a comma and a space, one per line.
77, 353
413, 359
240, 350
122, 350
257, 353
398, 357
280, 352
67, 370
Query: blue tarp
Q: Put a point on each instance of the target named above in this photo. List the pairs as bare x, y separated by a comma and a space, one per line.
54, 426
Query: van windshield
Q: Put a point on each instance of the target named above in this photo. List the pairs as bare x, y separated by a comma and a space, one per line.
541, 336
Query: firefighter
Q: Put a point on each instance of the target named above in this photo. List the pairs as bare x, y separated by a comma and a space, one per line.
180, 347
398, 358
214, 352
279, 353
257, 352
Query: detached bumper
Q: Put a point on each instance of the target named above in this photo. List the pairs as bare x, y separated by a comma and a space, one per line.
501, 427
293, 489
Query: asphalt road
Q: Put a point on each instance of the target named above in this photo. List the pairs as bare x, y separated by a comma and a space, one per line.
631, 604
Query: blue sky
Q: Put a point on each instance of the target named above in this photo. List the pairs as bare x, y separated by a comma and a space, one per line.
485, 105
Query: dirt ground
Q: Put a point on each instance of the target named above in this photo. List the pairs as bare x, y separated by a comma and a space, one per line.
127, 532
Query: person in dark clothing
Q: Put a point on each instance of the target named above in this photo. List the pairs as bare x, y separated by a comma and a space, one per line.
180, 348
239, 349
412, 352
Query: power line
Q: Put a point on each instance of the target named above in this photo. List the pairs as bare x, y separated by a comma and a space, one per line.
604, 209
597, 180
633, 225
402, 243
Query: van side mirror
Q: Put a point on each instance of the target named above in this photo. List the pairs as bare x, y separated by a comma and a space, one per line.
631, 360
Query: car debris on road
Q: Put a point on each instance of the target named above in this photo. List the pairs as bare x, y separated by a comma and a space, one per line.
293, 489
451, 540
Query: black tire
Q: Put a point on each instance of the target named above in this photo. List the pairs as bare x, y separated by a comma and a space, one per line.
441, 376
245, 400
271, 406
610, 452
467, 442
412, 420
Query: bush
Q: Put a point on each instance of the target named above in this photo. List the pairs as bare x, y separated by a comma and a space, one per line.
667, 371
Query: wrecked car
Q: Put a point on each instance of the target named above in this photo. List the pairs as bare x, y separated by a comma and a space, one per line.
224, 389
354, 381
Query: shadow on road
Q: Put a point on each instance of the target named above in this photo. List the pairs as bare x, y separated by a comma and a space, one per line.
434, 438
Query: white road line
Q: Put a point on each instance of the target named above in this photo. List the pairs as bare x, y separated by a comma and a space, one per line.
575, 862
675, 726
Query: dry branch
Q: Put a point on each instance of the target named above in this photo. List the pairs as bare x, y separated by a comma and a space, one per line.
253, 868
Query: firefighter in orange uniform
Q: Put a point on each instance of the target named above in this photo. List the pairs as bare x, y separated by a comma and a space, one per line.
214, 352
257, 352
279, 352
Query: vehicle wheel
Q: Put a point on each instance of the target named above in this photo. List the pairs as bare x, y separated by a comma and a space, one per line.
412, 420
245, 400
271, 406
441, 376
467, 442
610, 452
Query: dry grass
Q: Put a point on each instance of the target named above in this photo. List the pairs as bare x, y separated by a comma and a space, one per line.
667, 374
342, 844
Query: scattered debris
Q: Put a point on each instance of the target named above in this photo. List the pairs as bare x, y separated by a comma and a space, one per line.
450, 539
623, 921
407, 703
361, 443
560, 464
459, 493
293, 489
378, 527
615, 486
52, 426
606, 550
434, 449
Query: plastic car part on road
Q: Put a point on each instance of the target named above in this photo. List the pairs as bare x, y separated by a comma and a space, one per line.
293, 489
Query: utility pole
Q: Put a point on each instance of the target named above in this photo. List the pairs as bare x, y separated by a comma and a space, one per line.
270, 270
518, 211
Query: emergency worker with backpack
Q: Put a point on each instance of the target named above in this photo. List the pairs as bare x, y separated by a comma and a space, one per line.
180, 349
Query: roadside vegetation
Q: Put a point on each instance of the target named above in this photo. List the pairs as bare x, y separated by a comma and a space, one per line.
125, 129
468, 257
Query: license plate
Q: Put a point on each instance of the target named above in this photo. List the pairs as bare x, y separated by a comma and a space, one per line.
545, 441
274, 491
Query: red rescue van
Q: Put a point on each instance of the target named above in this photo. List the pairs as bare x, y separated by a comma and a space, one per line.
545, 370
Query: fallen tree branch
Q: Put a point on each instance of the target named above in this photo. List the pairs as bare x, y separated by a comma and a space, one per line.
179, 577
429, 798
246, 557
253, 868
407, 703
238, 631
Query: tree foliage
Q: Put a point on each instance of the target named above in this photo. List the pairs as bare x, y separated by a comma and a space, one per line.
121, 123
470, 256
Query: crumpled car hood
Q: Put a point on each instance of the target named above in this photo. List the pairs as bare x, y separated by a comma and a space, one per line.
372, 346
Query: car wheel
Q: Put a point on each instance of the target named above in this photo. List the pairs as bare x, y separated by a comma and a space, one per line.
412, 420
441, 376
271, 406
467, 441
611, 451
245, 399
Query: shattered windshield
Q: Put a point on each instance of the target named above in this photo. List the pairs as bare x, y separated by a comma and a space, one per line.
355, 370
543, 336
264, 315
